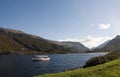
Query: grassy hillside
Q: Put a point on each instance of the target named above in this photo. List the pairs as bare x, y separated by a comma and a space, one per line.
7, 44
110, 69
18, 42
37, 44
10, 46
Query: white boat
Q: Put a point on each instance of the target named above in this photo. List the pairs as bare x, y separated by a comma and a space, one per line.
40, 58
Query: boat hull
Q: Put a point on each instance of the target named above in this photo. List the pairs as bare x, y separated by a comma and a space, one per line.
40, 59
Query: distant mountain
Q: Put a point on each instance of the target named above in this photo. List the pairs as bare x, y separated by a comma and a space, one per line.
101, 45
75, 46
114, 44
72, 46
110, 45
18, 42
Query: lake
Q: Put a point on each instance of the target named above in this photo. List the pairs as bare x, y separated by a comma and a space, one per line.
23, 66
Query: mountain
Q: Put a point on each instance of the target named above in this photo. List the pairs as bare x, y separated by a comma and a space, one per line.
74, 46
110, 45
103, 45
114, 44
100, 46
19, 42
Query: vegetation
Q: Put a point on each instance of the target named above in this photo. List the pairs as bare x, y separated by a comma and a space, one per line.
110, 69
18, 42
101, 50
102, 59
75, 46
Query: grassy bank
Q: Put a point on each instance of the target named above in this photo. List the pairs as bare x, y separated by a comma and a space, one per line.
109, 69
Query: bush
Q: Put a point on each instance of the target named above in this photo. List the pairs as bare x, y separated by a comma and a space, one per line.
102, 59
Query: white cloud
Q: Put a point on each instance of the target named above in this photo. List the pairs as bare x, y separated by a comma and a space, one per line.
70, 39
104, 26
90, 41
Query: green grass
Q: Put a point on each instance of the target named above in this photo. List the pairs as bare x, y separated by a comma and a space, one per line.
109, 69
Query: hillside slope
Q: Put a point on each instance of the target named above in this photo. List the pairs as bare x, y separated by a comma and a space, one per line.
114, 44
73, 46
103, 45
18, 42
110, 45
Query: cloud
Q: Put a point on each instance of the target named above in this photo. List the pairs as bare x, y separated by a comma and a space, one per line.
90, 41
104, 26
70, 39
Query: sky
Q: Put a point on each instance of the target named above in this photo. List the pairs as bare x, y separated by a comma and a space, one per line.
90, 22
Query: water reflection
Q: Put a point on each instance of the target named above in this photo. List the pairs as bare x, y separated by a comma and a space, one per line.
23, 66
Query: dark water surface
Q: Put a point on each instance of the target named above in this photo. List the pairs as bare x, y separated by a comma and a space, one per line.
23, 66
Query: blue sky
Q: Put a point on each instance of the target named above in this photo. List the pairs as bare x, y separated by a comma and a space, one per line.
69, 20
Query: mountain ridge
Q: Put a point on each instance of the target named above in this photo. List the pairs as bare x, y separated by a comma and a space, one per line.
110, 45
73, 46
27, 44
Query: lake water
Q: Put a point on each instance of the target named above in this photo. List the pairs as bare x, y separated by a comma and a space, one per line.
23, 66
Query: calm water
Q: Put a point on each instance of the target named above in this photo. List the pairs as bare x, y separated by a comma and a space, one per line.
23, 66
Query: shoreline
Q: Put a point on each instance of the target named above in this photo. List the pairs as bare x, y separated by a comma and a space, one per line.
103, 70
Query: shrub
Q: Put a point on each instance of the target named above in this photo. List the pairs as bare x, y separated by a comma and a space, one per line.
102, 59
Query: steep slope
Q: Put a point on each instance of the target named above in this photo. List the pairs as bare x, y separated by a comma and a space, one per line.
110, 45
8, 44
72, 46
75, 46
114, 44
103, 45
14, 41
